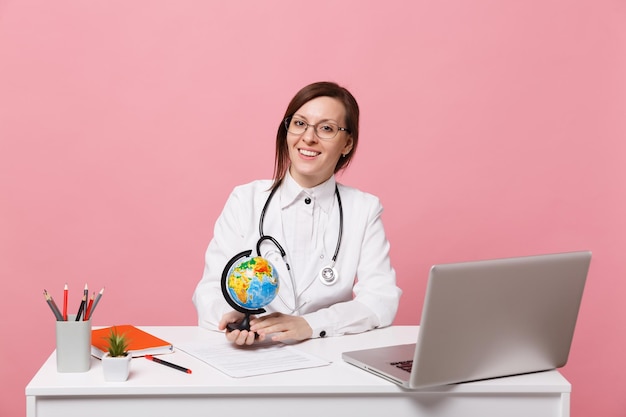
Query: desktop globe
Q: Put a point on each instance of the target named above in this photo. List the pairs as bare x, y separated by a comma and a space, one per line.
248, 285
252, 283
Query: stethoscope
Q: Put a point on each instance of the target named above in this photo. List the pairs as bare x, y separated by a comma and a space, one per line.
328, 274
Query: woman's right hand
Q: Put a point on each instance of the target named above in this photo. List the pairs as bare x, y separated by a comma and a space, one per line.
238, 337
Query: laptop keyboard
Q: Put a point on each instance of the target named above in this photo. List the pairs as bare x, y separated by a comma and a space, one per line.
404, 365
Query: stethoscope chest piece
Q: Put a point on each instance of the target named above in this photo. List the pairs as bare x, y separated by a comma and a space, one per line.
328, 275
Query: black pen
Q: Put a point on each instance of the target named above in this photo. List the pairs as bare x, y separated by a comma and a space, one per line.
81, 308
166, 363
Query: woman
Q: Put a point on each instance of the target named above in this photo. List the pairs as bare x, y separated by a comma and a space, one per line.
316, 220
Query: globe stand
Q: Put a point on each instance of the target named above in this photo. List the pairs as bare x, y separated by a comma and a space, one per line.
245, 323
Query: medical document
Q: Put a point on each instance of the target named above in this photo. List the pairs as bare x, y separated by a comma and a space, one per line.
244, 361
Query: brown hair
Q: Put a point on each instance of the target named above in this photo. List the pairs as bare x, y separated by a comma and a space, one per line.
308, 93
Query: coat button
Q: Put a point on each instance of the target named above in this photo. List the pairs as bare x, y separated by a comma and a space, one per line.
323, 333
307, 200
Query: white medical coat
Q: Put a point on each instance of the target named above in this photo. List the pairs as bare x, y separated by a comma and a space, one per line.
365, 295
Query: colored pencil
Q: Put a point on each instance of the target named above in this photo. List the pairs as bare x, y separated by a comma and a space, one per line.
65, 293
95, 303
53, 306
89, 304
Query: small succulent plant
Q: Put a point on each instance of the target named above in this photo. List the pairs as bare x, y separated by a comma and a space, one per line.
117, 344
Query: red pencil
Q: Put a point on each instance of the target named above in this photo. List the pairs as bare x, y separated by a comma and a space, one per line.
65, 303
88, 310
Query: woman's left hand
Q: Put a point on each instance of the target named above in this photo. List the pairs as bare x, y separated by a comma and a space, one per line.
282, 327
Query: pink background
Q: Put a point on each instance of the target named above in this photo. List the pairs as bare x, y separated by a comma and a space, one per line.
489, 129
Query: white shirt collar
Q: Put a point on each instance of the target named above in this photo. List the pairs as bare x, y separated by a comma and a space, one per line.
323, 194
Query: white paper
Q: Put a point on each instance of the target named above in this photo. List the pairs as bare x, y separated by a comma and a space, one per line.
252, 360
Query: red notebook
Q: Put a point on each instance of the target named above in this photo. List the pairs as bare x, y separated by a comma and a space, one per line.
140, 343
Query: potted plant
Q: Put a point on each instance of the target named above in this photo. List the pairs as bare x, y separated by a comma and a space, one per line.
116, 360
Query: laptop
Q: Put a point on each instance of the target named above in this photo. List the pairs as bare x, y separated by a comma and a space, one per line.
488, 319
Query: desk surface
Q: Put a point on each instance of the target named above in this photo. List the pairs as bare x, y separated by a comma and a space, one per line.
338, 379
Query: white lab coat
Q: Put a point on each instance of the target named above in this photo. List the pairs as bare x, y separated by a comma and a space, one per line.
365, 295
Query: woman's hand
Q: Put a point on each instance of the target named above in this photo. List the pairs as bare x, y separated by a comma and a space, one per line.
239, 337
281, 326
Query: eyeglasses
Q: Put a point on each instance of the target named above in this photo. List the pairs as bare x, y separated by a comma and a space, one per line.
323, 130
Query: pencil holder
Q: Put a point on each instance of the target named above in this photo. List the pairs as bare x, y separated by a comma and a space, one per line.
73, 345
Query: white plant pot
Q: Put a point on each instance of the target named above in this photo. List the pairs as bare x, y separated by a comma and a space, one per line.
116, 369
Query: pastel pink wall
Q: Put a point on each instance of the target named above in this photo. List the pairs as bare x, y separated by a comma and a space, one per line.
489, 129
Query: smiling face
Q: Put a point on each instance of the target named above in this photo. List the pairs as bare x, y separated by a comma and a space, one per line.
313, 160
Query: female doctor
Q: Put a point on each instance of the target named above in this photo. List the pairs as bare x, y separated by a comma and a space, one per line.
335, 274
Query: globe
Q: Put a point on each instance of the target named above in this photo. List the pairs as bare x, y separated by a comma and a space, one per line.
248, 284
252, 283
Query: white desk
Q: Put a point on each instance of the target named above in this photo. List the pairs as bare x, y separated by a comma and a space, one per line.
339, 389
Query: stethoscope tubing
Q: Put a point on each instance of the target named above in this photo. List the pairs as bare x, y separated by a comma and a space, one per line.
263, 236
